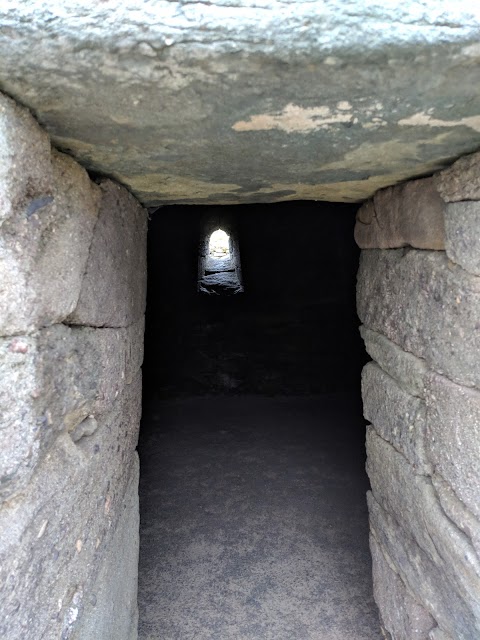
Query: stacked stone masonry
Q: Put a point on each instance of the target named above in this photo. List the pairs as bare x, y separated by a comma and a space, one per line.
418, 298
72, 299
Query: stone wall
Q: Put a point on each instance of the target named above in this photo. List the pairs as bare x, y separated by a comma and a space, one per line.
72, 297
418, 298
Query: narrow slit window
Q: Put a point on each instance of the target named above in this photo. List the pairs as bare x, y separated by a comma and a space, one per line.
220, 272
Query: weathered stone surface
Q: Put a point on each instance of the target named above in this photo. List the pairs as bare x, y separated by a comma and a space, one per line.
453, 437
402, 616
408, 370
25, 168
19, 428
426, 305
438, 634
53, 381
433, 557
461, 181
456, 510
397, 416
57, 537
113, 292
44, 244
411, 214
249, 101
462, 221
111, 611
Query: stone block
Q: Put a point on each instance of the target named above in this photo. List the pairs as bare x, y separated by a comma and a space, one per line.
462, 224
408, 370
433, 557
402, 616
111, 611
58, 537
54, 380
456, 510
64, 246
439, 634
461, 181
397, 416
410, 214
114, 286
25, 167
426, 305
453, 437
20, 426
43, 251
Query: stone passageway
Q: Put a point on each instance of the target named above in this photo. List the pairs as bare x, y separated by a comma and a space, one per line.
254, 520
348, 142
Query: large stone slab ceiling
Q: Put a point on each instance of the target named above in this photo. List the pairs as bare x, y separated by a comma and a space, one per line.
232, 101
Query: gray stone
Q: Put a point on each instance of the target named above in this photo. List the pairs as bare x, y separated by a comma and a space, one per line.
230, 102
19, 429
462, 223
113, 292
456, 510
397, 416
402, 616
25, 168
221, 283
438, 634
408, 370
453, 437
111, 611
61, 258
57, 538
411, 214
44, 248
432, 555
461, 181
426, 305
51, 382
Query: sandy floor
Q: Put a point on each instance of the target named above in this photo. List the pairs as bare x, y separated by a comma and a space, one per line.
254, 522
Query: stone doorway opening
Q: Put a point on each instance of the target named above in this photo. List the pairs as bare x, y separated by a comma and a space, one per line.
252, 490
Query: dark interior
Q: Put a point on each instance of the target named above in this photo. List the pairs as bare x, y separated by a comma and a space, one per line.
294, 330
252, 493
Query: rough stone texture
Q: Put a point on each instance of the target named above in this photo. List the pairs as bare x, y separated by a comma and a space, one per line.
45, 241
52, 381
60, 532
456, 510
70, 396
25, 171
424, 511
426, 305
423, 576
113, 292
111, 612
432, 555
453, 437
461, 181
408, 370
438, 634
462, 222
398, 416
411, 214
249, 101
402, 616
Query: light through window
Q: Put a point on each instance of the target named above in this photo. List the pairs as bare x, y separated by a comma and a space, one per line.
219, 246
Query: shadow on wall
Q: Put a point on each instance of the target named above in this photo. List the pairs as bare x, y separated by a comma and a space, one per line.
294, 330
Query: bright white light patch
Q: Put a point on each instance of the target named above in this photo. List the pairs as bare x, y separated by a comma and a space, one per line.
219, 245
